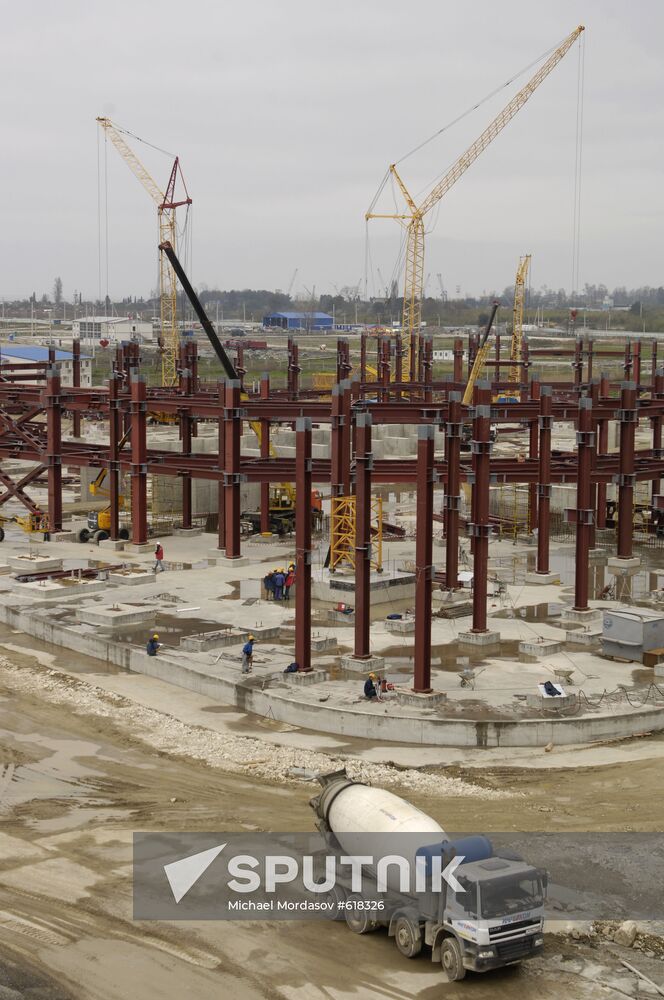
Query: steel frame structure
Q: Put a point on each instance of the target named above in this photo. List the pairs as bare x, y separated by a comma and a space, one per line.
32, 417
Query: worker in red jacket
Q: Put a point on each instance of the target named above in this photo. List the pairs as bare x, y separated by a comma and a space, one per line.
158, 559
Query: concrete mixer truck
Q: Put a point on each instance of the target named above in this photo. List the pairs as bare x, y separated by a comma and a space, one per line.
487, 914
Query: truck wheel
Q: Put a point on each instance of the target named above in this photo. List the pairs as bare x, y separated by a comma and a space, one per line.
2, 534
359, 921
451, 960
407, 937
123, 533
84, 535
100, 536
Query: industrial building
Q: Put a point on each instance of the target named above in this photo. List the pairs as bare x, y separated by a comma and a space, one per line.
34, 360
298, 321
114, 329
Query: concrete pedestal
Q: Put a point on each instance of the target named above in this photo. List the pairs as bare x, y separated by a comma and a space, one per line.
322, 643
584, 637
187, 532
108, 543
116, 616
542, 578
385, 588
44, 591
597, 555
218, 554
63, 536
416, 700
130, 578
340, 618
373, 664
34, 564
304, 679
400, 626
547, 647
572, 615
623, 567
140, 549
479, 638
551, 704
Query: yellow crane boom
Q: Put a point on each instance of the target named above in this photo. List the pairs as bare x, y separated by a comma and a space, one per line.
166, 206
413, 218
480, 358
517, 318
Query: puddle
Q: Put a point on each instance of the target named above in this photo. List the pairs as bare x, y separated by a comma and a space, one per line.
19, 644
447, 658
243, 589
44, 779
547, 613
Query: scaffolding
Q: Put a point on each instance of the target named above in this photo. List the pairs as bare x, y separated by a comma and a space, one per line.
342, 533
509, 506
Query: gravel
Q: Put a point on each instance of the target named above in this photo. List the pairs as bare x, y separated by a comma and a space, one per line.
238, 754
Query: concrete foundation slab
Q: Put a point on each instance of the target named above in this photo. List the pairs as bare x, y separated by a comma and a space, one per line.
27, 563
545, 647
479, 638
373, 664
130, 578
115, 616
414, 698
384, 588
542, 578
44, 591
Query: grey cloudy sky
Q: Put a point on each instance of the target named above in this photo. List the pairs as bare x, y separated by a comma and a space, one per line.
286, 113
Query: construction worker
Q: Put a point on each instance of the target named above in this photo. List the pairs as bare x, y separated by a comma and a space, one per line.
370, 692
248, 655
158, 557
268, 584
279, 580
153, 645
289, 581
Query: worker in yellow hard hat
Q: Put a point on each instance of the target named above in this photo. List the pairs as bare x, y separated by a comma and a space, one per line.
248, 655
153, 645
279, 581
370, 688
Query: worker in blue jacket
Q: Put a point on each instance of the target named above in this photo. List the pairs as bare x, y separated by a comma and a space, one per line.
279, 580
248, 655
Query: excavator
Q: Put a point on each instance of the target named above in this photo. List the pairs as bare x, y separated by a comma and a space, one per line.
282, 496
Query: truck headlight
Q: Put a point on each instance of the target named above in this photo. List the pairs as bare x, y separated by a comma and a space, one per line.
487, 953
538, 941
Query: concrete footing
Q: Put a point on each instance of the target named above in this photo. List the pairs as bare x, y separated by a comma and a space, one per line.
115, 616
623, 567
551, 704
341, 617
129, 578
113, 546
420, 700
545, 647
140, 549
479, 638
187, 532
584, 637
542, 578
44, 591
34, 564
63, 536
586, 615
400, 626
323, 643
305, 678
373, 664
385, 588
218, 554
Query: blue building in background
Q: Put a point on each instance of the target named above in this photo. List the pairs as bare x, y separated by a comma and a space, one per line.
298, 321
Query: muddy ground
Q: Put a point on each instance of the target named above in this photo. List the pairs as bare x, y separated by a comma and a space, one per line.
78, 777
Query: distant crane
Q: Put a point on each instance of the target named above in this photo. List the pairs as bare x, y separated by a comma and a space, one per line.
292, 282
516, 349
443, 293
166, 206
414, 215
384, 287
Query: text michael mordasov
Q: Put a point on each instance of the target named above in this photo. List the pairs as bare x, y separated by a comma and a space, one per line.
321, 905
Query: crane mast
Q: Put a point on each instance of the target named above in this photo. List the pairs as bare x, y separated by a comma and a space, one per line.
166, 207
517, 318
414, 217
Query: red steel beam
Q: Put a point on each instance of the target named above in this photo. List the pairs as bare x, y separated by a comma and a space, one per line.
138, 464
363, 466
629, 418
424, 559
584, 513
544, 484
481, 526
232, 474
303, 484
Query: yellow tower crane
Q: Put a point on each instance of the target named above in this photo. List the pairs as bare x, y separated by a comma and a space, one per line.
413, 218
166, 206
516, 347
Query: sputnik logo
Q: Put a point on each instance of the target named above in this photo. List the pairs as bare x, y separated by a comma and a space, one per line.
185, 873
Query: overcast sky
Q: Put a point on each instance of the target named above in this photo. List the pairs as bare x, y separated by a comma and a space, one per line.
286, 114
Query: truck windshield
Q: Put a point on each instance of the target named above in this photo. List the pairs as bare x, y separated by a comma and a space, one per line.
510, 895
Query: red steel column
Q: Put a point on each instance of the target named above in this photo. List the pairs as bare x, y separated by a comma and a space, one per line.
533, 452
54, 449
584, 512
233, 433
657, 393
398, 359
593, 391
76, 382
265, 453
363, 467
221, 458
346, 432
457, 375
577, 364
114, 436
453, 430
424, 558
602, 449
427, 367
636, 365
139, 458
303, 543
628, 416
544, 484
480, 528
591, 347
186, 436
363, 357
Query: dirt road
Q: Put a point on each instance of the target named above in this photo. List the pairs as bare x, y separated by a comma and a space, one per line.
78, 776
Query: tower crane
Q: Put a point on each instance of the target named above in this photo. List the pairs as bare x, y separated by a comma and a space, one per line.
292, 282
166, 206
517, 318
414, 215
